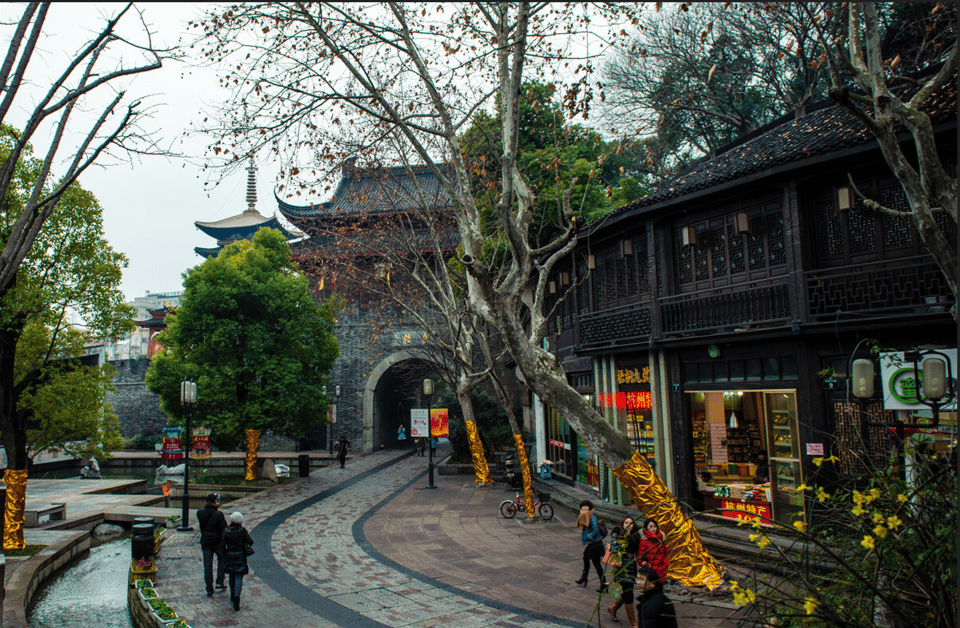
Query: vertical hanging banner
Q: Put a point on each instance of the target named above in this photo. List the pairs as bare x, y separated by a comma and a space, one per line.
439, 425
201, 443
419, 423
171, 444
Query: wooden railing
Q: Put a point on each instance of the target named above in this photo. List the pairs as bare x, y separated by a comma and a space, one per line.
722, 309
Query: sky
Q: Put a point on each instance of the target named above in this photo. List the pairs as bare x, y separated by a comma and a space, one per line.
150, 204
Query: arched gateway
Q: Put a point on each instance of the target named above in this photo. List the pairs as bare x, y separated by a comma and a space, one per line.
390, 392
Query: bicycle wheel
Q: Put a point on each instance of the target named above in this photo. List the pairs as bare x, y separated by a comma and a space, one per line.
546, 511
508, 509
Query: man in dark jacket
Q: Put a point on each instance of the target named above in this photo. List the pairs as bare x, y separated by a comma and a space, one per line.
212, 524
654, 609
342, 446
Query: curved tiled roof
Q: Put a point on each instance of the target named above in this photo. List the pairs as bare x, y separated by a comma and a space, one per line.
242, 226
822, 131
373, 190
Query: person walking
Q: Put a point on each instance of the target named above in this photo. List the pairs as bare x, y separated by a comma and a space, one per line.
212, 524
234, 547
434, 441
421, 447
654, 608
342, 446
651, 552
626, 538
592, 538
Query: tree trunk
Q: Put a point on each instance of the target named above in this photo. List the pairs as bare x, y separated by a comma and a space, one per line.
480, 467
250, 463
13, 427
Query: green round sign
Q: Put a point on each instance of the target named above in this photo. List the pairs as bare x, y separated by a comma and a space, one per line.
713, 351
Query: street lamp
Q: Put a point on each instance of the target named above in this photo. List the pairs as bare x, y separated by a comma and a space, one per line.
188, 397
333, 418
428, 393
936, 376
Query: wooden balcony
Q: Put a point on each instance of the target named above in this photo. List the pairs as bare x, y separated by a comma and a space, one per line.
720, 309
625, 324
912, 285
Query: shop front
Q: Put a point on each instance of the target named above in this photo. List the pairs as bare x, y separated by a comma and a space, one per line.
746, 437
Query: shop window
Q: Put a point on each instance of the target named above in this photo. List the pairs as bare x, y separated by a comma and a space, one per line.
720, 370
706, 374
754, 370
690, 372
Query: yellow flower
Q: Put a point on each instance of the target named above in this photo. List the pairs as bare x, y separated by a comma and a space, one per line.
858, 510
877, 517
756, 523
894, 522
763, 542
803, 487
742, 597
867, 542
857, 497
822, 495
880, 531
800, 525
818, 462
832, 459
810, 605
902, 498
873, 494
754, 537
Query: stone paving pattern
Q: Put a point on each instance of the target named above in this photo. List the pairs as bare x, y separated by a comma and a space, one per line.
370, 546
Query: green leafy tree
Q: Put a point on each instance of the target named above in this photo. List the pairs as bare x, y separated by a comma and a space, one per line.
251, 336
50, 399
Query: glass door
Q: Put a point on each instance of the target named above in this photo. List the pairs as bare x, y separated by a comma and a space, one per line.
783, 445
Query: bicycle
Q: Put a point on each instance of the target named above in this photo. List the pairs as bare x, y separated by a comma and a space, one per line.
509, 508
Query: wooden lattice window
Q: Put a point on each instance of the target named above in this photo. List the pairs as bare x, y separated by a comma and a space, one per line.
850, 442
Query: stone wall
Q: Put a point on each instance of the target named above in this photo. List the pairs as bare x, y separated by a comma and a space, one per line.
137, 408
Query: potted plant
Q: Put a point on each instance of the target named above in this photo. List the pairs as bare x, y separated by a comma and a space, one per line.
143, 569
172, 521
162, 611
147, 593
179, 624
144, 582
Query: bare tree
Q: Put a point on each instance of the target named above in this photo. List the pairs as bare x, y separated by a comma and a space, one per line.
889, 104
349, 75
85, 84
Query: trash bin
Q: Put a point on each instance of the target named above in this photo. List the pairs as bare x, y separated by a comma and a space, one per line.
545, 472
304, 465
141, 543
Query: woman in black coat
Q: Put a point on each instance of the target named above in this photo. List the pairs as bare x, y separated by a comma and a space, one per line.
234, 547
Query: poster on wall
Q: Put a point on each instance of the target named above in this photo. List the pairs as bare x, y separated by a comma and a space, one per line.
419, 423
900, 385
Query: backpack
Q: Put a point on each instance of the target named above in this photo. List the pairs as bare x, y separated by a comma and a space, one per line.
602, 528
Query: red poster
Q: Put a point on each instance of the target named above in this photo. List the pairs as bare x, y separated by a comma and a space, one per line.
439, 425
745, 511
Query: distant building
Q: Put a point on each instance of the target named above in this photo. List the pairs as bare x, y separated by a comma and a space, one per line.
154, 301
243, 225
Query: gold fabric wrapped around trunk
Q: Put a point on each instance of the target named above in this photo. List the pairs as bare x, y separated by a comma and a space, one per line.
524, 468
253, 443
16, 481
480, 466
690, 564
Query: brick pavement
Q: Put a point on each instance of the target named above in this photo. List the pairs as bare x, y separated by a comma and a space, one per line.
369, 546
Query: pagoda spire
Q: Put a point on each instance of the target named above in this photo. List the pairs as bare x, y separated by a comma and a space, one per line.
251, 186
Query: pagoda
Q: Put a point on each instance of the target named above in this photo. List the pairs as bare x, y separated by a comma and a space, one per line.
243, 225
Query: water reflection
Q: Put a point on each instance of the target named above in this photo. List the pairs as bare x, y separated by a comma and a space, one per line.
91, 591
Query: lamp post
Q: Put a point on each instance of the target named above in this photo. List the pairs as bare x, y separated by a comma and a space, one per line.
934, 388
428, 393
333, 418
188, 397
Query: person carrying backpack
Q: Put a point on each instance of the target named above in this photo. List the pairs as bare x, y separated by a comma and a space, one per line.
592, 532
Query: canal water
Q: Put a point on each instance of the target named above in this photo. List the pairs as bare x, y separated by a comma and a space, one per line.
90, 591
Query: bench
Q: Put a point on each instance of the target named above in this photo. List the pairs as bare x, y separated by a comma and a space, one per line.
31, 516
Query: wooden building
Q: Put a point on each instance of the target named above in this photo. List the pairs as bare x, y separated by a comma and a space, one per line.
699, 318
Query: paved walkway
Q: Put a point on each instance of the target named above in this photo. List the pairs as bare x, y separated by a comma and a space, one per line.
369, 546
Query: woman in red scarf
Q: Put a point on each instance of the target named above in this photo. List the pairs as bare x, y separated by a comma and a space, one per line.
651, 551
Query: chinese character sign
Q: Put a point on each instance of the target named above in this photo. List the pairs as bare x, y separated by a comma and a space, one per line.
171, 444
419, 423
624, 400
438, 422
201, 442
901, 386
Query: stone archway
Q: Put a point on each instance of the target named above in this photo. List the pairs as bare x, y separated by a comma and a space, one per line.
386, 401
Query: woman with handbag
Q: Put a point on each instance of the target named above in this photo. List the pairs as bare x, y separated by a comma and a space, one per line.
591, 535
626, 539
235, 546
